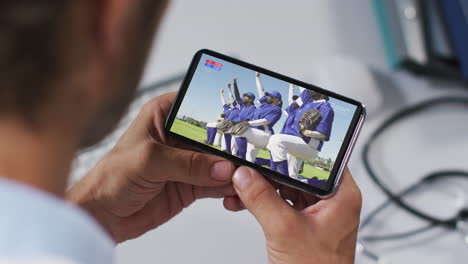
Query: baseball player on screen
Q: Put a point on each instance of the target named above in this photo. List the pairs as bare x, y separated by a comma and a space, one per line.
268, 162
231, 110
259, 128
247, 108
291, 99
295, 143
212, 134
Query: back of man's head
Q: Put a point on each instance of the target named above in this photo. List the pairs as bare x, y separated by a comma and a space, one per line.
29, 41
66, 59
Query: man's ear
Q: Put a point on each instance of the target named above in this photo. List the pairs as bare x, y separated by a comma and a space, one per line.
99, 26
108, 23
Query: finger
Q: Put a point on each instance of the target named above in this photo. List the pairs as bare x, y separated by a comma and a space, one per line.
159, 110
261, 199
342, 207
213, 192
149, 122
233, 203
165, 163
164, 102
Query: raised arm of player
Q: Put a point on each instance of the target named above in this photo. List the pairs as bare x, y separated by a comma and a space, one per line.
231, 97
259, 122
236, 90
223, 100
291, 94
261, 91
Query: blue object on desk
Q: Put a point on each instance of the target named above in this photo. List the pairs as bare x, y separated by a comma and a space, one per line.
457, 22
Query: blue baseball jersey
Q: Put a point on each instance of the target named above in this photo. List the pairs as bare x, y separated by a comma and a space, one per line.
230, 113
291, 126
245, 112
328, 115
269, 112
263, 99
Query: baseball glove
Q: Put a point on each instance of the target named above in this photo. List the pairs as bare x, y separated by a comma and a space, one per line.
224, 126
239, 128
310, 119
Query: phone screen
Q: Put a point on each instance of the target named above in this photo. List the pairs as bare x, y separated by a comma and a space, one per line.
270, 122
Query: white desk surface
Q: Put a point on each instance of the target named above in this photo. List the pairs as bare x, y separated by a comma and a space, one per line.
287, 36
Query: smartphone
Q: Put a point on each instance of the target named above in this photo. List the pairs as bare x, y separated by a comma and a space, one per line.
296, 133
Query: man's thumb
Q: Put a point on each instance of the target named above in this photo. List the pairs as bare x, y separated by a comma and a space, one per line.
261, 199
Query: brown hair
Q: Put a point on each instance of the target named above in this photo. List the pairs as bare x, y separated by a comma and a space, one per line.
29, 40
37, 51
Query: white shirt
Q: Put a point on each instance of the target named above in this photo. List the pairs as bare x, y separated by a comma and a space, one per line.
36, 227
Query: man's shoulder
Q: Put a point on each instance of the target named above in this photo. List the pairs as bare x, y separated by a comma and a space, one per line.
43, 225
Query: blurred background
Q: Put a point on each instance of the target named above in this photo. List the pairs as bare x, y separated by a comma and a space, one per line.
389, 54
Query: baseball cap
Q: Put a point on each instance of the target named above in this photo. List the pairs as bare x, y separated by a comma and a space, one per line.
250, 95
274, 94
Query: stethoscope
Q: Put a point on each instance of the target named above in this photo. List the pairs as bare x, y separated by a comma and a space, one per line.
458, 222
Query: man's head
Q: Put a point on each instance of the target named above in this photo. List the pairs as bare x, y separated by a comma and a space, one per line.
248, 98
274, 98
318, 96
73, 63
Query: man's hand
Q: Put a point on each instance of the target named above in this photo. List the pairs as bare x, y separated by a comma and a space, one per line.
309, 231
222, 91
147, 178
234, 80
229, 85
257, 74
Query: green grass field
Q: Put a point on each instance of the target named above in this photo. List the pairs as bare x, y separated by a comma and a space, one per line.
199, 134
